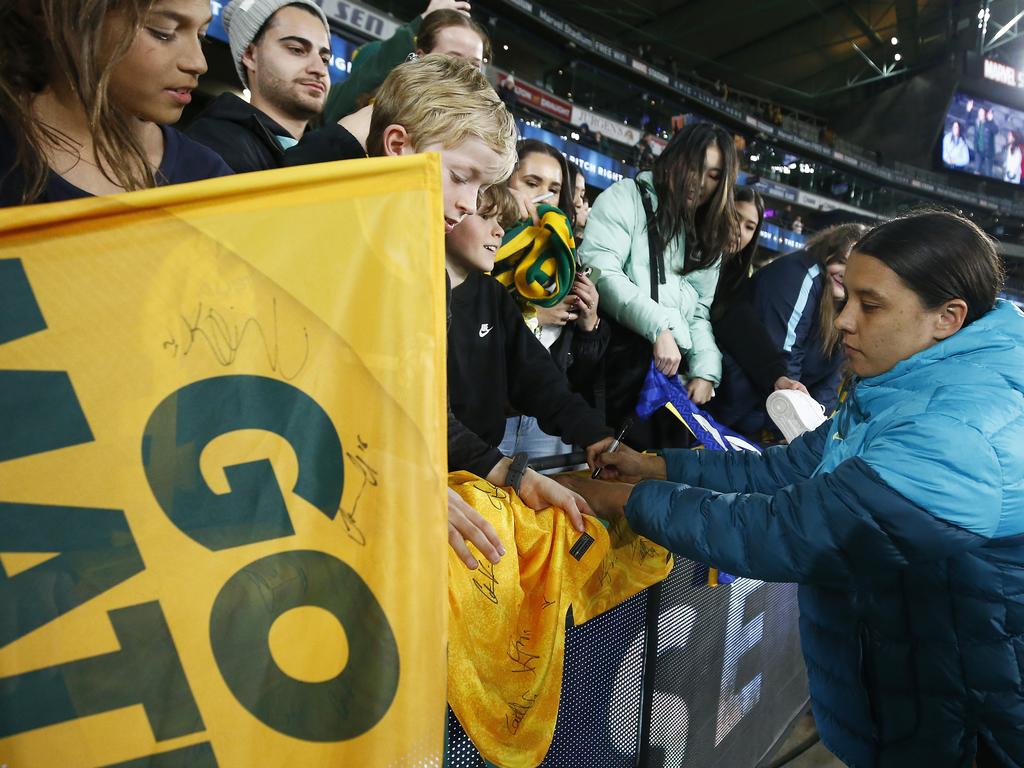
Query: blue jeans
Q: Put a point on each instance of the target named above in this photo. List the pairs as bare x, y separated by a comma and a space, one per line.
523, 433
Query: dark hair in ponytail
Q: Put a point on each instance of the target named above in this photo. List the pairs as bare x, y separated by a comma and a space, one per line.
939, 256
738, 267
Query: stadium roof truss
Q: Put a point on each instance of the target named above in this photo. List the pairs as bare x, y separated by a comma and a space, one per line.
805, 49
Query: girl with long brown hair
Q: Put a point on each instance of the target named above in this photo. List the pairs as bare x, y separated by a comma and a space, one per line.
658, 242
87, 90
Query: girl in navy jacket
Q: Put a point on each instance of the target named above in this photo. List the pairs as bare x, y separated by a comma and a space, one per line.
795, 300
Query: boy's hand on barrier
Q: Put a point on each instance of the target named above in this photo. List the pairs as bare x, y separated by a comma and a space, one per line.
630, 466
540, 492
784, 382
608, 500
466, 524
666, 353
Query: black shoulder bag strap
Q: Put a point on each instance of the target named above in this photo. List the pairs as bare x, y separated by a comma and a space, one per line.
657, 252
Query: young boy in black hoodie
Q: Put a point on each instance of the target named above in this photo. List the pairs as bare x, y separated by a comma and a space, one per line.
494, 359
444, 104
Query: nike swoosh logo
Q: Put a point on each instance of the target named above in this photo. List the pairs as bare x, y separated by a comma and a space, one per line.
485, 329
837, 436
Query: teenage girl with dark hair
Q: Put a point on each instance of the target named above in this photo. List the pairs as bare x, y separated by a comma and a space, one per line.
444, 27
579, 201
751, 360
571, 330
87, 90
795, 300
542, 176
660, 300
902, 518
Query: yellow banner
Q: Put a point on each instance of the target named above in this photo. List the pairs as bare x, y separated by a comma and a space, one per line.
506, 648
222, 473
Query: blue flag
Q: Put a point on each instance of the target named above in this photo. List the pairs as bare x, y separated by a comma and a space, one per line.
659, 391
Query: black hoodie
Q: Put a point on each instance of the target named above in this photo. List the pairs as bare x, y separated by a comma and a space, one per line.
245, 137
494, 361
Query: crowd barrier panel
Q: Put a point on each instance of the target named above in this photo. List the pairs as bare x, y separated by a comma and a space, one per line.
681, 675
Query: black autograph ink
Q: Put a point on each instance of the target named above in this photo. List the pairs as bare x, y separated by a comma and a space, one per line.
486, 588
171, 344
224, 338
517, 711
522, 660
494, 493
369, 479
642, 550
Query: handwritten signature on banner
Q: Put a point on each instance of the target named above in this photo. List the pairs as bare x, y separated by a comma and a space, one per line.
487, 585
518, 711
370, 480
224, 337
522, 659
495, 495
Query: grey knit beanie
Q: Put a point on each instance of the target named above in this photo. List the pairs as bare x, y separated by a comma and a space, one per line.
243, 19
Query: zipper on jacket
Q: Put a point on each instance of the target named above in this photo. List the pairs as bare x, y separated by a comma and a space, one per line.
863, 644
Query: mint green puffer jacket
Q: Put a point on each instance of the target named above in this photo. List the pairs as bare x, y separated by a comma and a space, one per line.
616, 244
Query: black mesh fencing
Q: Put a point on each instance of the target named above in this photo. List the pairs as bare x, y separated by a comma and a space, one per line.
723, 670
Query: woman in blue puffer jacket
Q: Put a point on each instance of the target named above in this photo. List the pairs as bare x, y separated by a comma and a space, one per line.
902, 518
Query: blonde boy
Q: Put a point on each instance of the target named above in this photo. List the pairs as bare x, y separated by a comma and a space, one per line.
444, 104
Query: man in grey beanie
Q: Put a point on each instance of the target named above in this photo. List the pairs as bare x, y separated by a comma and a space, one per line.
281, 50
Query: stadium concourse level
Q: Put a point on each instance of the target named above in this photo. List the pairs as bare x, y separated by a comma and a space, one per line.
659, 247
587, 100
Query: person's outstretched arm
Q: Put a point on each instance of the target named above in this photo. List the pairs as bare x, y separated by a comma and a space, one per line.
537, 386
723, 471
910, 497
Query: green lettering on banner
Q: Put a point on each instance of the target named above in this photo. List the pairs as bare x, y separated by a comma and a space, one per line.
39, 410
196, 756
97, 552
19, 312
146, 670
334, 710
190, 418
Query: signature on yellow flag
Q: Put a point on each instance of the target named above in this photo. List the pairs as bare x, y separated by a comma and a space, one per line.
216, 470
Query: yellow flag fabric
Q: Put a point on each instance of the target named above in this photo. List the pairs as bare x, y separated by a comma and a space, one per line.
507, 621
222, 434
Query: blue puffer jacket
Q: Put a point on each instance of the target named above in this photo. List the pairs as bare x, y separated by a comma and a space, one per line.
903, 521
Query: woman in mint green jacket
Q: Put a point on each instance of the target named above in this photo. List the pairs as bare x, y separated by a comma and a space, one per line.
660, 299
